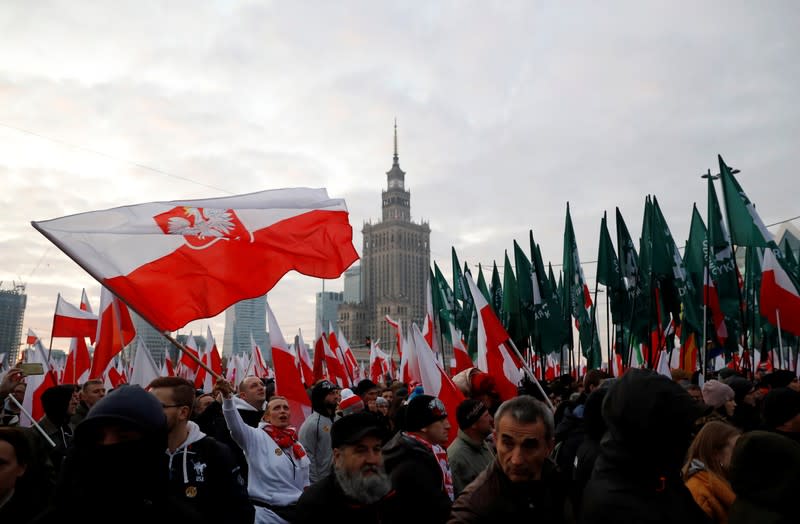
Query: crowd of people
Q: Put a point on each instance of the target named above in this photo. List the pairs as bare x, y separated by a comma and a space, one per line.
640, 448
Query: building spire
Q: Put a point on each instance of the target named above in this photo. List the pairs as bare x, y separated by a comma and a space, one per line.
396, 161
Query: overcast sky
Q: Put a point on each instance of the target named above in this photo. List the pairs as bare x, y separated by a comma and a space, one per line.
506, 111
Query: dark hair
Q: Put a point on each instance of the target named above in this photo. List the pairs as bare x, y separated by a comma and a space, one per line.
16, 437
182, 389
526, 410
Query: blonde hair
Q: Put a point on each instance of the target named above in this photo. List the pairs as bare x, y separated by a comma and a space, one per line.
707, 445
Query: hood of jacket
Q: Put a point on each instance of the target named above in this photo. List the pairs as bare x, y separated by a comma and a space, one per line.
55, 401
242, 404
194, 435
765, 471
650, 420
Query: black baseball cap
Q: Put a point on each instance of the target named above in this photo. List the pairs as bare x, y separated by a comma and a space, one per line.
350, 429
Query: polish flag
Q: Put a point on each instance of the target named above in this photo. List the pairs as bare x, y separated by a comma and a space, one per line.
428, 326
710, 294
174, 262
398, 331
257, 366
346, 354
494, 351
203, 379
114, 331
304, 360
663, 364
144, 367
115, 378
71, 321
378, 363
188, 365
409, 362
336, 371
319, 357
166, 368
288, 382
461, 355
76, 368
435, 382
31, 338
36, 384
779, 297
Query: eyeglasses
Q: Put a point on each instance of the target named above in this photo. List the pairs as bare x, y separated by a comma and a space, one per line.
165, 406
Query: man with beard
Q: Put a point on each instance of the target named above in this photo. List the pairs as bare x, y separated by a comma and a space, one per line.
358, 490
315, 433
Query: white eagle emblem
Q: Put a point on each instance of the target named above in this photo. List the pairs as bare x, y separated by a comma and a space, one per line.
203, 227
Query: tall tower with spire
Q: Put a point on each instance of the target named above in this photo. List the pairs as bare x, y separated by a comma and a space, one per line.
394, 265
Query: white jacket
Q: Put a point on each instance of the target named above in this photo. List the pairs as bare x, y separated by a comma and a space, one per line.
273, 476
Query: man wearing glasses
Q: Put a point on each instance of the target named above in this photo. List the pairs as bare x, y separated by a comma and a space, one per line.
203, 471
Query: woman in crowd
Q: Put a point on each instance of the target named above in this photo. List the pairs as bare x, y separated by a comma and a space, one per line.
706, 471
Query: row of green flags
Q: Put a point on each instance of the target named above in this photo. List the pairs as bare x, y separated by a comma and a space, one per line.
655, 292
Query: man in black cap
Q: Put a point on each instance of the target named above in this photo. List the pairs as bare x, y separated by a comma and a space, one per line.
470, 453
358, 489
782, 412
781, 378
418, 464
314, 434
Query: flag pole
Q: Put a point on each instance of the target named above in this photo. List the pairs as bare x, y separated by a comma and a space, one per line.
30, 417
185, 351
531, 374
780, 338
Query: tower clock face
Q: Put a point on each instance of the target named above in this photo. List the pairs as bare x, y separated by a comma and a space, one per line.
395, 183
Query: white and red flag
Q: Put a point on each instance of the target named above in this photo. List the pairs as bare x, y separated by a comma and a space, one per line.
174, 262
461, 357
319, 355
494, 351
288, 382
76, 368
72, 321
188, 366
114, 331
304, 360
336, 371
36, 384
203, 379
779, 296
428, 326
257, 367
31, 338
349, 359
378, 363
398, 332
144, 369
435, 381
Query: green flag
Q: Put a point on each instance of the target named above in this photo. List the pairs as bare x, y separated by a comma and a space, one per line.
678, 291
496, 290
580, 301
609, 274
525, 291
722, 267
484, 289
694, 255
747, 228
512, 310
551, 332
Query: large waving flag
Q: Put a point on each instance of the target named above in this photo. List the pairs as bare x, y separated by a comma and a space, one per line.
114, 331
495, 356
288, 382
174, 262
71, 321
461, 358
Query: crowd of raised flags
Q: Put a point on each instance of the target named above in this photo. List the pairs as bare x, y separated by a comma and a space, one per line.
661, 303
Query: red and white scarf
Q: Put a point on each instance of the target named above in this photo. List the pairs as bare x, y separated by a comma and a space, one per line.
286, 438
441, 457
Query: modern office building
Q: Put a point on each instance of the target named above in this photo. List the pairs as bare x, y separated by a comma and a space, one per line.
155, 341
12, 312
242, 319
328, 303
352, 285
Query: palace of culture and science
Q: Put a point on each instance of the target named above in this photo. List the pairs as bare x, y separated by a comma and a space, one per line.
394, 265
